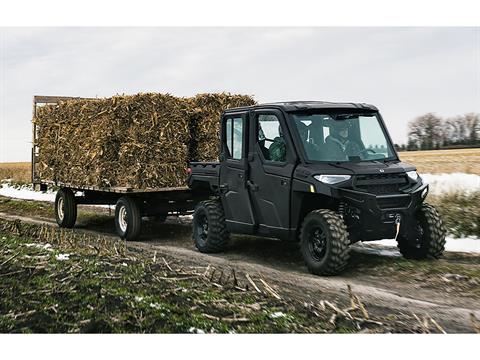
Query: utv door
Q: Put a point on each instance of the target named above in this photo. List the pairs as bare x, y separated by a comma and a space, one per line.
271, 160
233, 174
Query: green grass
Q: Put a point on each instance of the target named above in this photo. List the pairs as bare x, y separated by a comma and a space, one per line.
460, 213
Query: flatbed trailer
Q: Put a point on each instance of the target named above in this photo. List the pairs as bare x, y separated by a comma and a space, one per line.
131, 202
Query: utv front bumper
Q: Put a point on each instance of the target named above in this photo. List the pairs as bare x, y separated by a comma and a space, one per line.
376, 214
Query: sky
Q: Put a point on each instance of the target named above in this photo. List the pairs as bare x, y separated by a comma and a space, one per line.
405, 72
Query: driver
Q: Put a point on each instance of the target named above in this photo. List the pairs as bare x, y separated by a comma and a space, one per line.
338, 145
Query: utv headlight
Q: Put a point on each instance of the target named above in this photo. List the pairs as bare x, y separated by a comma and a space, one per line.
332, 179
412, 175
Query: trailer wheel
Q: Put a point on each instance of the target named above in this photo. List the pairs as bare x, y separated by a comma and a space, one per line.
128, 220
65, 208
430, 236
209, 228
324, 242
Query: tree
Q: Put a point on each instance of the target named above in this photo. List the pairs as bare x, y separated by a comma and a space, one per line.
425, 132
472, 128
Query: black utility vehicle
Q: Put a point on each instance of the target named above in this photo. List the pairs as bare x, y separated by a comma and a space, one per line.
325, 174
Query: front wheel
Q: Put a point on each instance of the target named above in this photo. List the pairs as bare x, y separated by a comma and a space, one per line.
65, 208
429, 236
324, 242
128, 220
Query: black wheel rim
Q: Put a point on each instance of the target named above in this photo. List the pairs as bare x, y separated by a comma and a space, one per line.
317, 243
202, 228
418, 235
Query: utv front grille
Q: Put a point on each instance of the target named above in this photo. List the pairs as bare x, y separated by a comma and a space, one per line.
393, 202
380, 184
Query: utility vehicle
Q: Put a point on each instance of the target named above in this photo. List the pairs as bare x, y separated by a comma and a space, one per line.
324, 174
319, 173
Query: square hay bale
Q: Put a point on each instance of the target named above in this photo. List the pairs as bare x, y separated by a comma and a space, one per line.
205, 118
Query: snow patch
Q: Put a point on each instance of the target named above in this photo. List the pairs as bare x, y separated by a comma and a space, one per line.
277, 315
62, 257
194, 330
26, 193
452, 183
469, 244
47, 247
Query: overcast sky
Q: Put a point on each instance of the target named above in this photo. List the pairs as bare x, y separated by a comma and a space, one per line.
406, 72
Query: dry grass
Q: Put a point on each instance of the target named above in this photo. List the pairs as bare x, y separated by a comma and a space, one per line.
444, 161
19, 172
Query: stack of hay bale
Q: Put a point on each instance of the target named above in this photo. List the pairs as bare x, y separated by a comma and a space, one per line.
143, 141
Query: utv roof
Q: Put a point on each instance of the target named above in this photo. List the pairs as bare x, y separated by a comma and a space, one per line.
310, 105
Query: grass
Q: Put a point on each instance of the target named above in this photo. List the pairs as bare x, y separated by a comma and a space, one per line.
102, 287
18, 172
444, 161
460, 213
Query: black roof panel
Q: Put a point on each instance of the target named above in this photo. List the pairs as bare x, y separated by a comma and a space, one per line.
310, 105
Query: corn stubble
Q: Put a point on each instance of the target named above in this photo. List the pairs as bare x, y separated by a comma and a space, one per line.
142, 141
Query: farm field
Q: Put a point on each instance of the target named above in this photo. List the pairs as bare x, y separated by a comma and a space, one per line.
18, 172
444, 161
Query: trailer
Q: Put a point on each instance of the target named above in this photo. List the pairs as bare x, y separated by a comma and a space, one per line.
131, 204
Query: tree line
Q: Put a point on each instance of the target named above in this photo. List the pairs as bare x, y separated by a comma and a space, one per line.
429, 131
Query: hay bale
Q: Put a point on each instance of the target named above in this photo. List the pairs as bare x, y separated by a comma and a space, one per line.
205, 117
142, 141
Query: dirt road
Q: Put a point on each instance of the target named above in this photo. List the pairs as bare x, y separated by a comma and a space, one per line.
447, 290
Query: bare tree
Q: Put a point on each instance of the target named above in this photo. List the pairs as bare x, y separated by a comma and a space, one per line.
472, 128
426, 132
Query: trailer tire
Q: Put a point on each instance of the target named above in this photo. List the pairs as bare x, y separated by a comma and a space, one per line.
324, 242
128, 220
209, 227
432, 234
65, 208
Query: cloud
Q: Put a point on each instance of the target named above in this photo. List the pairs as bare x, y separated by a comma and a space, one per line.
404, 71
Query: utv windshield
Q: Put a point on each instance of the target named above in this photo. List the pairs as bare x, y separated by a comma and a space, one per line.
343, 137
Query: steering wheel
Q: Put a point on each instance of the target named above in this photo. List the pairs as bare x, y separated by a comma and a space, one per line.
365, 151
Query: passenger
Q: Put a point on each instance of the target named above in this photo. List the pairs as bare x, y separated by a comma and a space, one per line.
278, 150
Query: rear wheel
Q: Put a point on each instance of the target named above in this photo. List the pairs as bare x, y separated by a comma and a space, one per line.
429, 233
324, 242
209, 228
128, 220
65, 208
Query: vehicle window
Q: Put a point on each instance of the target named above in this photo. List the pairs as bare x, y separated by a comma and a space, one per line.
343, 137
234, 137
270, 138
